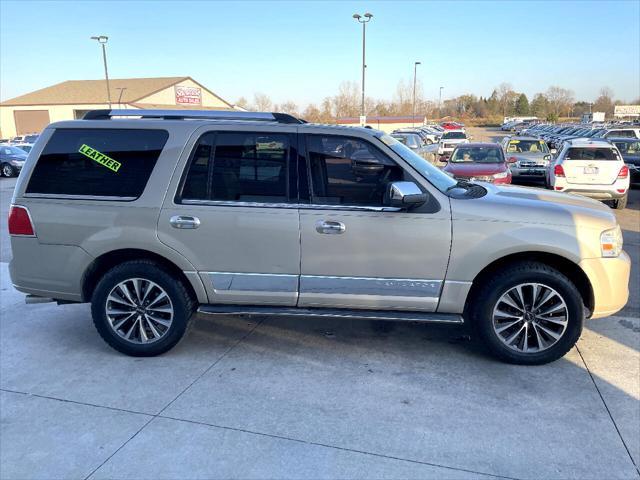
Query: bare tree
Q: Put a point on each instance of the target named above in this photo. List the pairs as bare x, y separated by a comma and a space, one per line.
288, 107
506, 98
262, 102
560, 100
604, 103
347, 102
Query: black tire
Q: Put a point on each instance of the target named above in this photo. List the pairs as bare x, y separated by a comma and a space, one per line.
486, 296
182, 302
621, 203
8, 170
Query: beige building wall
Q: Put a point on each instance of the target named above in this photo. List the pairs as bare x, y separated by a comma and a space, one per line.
57, 113
168, 96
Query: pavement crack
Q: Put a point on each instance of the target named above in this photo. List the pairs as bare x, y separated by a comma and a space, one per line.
335, 447
595, 384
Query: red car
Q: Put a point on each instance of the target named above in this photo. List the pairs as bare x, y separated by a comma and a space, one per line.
452, 125
479, 161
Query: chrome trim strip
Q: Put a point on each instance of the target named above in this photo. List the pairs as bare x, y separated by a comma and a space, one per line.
60, 196
382, 287
299, 206
227, 282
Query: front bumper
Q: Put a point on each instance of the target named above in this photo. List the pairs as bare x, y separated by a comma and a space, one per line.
538, 171
17, 165
609, 278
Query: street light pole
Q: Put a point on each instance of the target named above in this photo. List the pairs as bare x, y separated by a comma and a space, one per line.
415, 67
367, 18
102, 40
440, 104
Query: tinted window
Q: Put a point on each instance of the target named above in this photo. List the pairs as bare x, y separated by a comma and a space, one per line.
349, 171
244, 167
97, 162
591, 154
621, 133
454, 135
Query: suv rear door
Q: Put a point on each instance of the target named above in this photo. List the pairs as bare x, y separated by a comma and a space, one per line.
357, 253
232, 213
592, 166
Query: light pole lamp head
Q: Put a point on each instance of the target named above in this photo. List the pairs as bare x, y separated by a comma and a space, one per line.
356, 16
368, 15
101, 38
418, 63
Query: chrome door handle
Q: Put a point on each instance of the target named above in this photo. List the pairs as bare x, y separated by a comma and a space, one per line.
329, 227
184, 221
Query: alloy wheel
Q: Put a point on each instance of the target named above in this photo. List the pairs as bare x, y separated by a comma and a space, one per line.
530, 317
139, 311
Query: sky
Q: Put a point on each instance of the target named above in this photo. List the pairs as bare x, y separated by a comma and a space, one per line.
302, 50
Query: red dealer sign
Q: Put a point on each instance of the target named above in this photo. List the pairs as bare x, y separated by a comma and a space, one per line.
188, 95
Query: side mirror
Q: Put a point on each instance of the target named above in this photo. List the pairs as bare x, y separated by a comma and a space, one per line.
404, 195
512, 160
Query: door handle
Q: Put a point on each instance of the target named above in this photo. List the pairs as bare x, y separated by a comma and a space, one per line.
329, 227
184, 222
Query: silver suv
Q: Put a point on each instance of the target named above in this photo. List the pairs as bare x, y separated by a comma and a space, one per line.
153, 218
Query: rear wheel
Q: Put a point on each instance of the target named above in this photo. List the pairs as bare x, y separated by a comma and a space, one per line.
621, 203
8, 170
527, 314
141, 309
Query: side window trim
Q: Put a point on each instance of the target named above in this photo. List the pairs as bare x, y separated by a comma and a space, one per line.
293, 150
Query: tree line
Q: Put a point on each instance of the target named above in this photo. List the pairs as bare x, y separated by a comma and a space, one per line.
552, 104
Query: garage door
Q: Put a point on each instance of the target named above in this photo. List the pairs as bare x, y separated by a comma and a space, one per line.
30, 121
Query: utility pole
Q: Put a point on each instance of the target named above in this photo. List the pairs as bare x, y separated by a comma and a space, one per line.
367, 18
415, 67
440, 104
102, 40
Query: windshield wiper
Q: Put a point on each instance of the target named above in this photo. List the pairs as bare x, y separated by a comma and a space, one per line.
459, 184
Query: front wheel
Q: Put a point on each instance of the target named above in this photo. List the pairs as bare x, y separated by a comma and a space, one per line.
140, 309
527, 314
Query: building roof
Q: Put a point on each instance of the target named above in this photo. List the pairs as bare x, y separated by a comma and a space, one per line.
74, 92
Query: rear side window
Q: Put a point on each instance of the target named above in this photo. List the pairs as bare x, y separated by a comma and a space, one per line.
97, 162
240, 167
592, 154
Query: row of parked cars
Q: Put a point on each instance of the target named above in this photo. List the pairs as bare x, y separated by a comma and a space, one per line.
598, 163
14, 152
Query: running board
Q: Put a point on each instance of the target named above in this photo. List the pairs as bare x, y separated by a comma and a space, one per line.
448, 318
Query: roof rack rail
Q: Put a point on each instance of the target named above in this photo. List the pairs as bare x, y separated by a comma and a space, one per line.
193, 114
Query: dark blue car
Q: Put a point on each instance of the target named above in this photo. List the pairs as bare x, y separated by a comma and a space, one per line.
630, 150
11, 160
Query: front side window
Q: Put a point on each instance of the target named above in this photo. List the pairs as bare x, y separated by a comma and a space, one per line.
104, 162
239, 167
349, 171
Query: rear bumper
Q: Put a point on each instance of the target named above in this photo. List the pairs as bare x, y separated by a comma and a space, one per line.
596, 194
609, 279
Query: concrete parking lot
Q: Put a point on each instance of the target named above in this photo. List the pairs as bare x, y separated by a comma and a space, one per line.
281, 398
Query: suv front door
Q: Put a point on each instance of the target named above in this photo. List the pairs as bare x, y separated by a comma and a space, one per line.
234, 215
357, 253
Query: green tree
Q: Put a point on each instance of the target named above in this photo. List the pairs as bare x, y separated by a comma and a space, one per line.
522, 105
552, 117
539, 105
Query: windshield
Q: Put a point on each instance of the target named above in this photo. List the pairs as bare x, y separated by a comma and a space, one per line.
434, 175
526, 146
12, 151
477, 155
30, 138
454, 135
591, 154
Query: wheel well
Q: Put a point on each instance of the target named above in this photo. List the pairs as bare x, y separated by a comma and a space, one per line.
563, 265
105, 262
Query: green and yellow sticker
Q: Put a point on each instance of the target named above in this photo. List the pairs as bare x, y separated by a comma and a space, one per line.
101, 158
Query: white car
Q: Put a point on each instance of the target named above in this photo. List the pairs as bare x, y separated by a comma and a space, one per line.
450, 140
593, 168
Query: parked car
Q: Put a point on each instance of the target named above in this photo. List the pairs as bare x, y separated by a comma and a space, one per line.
629, 148
450, 139
528, 157
452, 126
479, 162
424, 140
624, 132
432, 135
152, 218
11, 160
30, 138
413, 141
593, 168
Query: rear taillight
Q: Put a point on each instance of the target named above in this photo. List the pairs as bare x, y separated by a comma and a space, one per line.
624, 172
558, 171
20, 221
